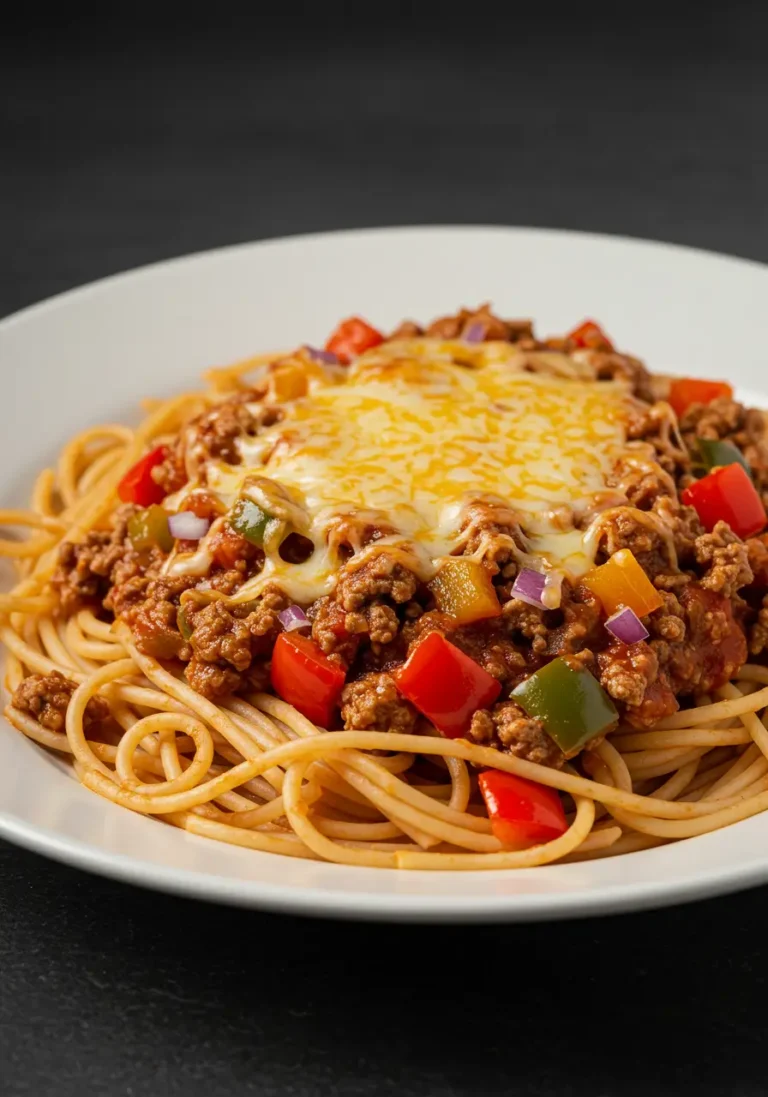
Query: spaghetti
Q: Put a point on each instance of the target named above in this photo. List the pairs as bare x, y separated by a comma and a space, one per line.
250, 769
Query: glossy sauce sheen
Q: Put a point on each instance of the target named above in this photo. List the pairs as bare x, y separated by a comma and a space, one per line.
410, 435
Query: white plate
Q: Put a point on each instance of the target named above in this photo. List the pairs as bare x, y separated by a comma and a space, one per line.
88, 356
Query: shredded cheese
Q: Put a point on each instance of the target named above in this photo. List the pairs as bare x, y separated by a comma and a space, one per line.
418, 429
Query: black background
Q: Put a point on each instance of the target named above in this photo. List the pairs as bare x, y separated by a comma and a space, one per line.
123, 143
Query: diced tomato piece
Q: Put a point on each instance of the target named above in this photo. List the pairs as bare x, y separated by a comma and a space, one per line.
203, 504
590, 336
228, 547
720, 643
138, 486
727, 494
351, 338
304, 677
445, 684
685, 391
523, 813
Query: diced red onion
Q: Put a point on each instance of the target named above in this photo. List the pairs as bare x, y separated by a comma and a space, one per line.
292, 618
529, 587
626, 626
474, 332
327, 357
186, 526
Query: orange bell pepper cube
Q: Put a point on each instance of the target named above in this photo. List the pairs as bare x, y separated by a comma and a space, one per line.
351, 338
727, 494
685, 391
622, 582
523, 813
590, 336
306, 678
445, 684
463, 589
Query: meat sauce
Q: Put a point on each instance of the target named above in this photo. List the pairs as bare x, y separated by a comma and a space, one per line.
714, 586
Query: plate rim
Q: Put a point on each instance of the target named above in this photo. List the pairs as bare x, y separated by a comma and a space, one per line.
361, 904
159, 265
378, 907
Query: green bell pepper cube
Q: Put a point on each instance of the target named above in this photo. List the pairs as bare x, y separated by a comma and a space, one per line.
183, 624
569, 701
716, 454
148, 528
250, 521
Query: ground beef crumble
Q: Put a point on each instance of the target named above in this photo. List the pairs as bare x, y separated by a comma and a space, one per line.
226, 640
150, 609
506, 727
380, 575
452, 327
373, 703
490, 530
609, 365
46, 697
630, 674
87, 570
724, 559
215, 435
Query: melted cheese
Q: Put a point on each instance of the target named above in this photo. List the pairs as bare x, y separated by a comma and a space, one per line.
409, 437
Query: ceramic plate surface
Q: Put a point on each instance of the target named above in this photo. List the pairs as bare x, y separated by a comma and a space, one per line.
90, 355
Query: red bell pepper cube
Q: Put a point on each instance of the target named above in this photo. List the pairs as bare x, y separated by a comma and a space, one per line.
445, 684
306, 678
590, 336
523, 813
685, 391
138, 486
727, 494
351, 338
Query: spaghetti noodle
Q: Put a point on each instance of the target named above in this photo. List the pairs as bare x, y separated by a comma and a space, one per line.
250, 769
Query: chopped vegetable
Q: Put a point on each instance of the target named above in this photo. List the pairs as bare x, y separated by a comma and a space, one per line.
590, 336
622, 582
138, 486
569, 701
728, 495
474, 332
183, 623
227, 547
351, 338
149, 528
523, 813
626, 626
529, 587
250, 521
445, 684
186, 526
716, 454
288, 381
292, 618
306, 678
463, 589
685, 391
325, 357
204, 505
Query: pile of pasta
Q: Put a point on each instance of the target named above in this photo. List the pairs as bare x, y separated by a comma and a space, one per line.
254, 772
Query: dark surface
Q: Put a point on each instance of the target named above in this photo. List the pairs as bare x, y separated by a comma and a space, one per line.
121, 151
